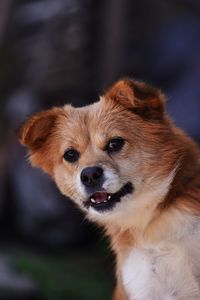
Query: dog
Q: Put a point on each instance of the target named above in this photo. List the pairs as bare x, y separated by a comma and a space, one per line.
131, 170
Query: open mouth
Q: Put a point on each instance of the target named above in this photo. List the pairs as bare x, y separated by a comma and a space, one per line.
102, 201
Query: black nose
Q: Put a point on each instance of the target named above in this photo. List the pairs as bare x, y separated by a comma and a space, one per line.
91, 176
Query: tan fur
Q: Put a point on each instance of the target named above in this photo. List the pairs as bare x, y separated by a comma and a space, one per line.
119, 293
161, 161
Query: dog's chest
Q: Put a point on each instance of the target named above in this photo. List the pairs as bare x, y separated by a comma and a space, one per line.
161, 273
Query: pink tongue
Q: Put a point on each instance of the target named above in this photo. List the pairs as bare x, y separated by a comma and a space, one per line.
100, 197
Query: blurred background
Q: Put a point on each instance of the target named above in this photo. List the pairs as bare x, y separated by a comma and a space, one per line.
68, 51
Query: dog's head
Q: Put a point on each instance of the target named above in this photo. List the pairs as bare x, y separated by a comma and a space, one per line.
110, 155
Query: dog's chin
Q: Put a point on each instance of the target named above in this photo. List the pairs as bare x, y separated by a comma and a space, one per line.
103, 201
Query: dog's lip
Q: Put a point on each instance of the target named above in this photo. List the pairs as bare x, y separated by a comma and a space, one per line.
102, 200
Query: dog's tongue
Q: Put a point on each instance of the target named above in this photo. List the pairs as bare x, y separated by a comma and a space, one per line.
100, 197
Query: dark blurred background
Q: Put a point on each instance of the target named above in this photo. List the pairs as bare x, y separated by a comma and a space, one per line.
68, 51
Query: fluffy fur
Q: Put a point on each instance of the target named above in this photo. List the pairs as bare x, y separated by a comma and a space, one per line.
154, 230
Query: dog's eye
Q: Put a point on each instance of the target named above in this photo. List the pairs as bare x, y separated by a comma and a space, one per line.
71, 155
114, 145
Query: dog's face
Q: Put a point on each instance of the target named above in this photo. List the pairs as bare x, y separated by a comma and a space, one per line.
109, 155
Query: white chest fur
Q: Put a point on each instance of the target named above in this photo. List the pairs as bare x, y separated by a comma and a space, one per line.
165, 272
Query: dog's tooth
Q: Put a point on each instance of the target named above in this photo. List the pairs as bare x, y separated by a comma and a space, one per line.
105, 201
92, 200
109, 197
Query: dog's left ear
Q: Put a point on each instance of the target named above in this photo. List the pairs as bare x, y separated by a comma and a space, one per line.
138, 97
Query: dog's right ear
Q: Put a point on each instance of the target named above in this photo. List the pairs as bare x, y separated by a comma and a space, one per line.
35, 134
35, 131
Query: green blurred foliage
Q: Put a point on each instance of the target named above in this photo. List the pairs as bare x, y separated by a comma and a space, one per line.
84, 275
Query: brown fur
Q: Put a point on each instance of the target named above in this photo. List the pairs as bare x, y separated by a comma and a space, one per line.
119, 293
154, 145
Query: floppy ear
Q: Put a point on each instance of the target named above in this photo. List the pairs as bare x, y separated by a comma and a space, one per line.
35, 131
34, 134
141, 98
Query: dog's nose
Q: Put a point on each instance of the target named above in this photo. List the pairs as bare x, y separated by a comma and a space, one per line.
91, 176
